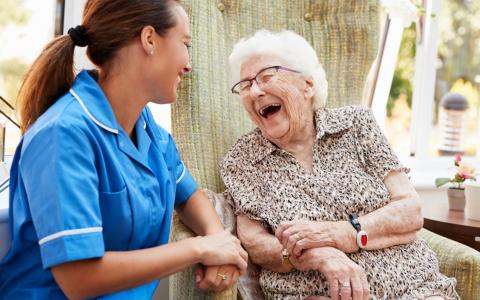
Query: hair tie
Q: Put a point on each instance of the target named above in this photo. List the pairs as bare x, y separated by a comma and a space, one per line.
79, 36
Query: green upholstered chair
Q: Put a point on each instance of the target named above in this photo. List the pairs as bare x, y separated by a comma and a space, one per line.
207, 119
459, 261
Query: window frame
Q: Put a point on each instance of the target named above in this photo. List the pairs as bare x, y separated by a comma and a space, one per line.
425, 169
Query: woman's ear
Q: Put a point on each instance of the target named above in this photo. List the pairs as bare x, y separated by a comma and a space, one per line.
147, 39
309, 88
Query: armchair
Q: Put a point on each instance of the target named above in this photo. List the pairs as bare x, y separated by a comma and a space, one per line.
207, 119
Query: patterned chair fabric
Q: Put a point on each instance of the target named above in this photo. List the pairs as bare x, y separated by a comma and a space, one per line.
207, 119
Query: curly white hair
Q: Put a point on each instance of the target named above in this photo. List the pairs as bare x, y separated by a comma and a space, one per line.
287, 45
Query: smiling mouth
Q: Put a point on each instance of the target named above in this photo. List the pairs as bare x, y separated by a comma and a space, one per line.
269, 110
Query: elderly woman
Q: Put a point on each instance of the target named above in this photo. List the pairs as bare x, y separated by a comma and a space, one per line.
324, 205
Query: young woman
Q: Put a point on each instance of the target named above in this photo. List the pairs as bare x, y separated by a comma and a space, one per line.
94, 180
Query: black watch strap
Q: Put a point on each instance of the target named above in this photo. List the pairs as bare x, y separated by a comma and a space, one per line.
354, 221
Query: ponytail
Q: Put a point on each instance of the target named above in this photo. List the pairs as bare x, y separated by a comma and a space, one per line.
50, 76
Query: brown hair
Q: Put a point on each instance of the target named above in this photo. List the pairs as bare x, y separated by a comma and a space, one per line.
109, 25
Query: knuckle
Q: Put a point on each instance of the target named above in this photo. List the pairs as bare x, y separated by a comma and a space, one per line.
351, 270
332, 274
343, 270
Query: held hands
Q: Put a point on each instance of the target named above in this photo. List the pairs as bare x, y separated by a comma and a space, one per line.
346, 279
297, 236
222, 248
224, 260
215, 278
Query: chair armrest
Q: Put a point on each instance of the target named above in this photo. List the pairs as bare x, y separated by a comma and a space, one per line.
458, 261
181, 284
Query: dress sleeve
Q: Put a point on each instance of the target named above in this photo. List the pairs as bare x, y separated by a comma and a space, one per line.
375, 151
186, 185
61, 183
242, 190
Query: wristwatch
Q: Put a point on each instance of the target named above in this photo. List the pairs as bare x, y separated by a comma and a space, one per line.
362, 236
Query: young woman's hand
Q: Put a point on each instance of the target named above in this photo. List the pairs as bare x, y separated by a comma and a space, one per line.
222, 248
216, 278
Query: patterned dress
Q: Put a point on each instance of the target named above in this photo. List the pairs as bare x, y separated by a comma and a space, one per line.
351, 158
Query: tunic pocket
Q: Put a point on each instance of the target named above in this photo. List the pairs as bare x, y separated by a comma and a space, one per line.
116, 219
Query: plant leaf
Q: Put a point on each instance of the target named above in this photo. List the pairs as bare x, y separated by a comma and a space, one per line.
441, 181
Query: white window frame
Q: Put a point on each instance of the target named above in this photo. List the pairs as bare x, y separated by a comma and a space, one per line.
424, 168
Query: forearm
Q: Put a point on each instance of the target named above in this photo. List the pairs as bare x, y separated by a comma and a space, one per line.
199, 214
117, 271
397, 222
263, 248
399, 219
267, 252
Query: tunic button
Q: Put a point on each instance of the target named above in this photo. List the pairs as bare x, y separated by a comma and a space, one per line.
221, 6
308, 17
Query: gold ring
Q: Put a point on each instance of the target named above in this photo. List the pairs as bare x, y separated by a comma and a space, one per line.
224, 277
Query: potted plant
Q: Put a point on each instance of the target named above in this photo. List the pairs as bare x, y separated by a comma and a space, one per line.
456, 192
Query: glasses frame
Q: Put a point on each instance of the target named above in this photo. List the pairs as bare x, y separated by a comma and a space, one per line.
259, 72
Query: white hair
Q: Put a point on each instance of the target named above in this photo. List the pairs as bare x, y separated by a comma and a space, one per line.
286, 45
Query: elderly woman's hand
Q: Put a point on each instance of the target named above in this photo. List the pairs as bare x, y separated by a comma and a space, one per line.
297, 236
345, 278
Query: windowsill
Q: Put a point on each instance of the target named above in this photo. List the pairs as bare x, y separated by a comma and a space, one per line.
423, 172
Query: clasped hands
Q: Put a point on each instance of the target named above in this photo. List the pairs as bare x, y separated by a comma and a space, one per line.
321, 246
215, 278
224, 260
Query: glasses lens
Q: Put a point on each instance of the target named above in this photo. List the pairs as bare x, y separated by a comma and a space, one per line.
267, 75
242, 86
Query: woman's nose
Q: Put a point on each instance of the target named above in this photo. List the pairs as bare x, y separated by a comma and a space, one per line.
187, 69
256, 90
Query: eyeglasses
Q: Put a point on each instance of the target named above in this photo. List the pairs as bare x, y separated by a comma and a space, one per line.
264, 76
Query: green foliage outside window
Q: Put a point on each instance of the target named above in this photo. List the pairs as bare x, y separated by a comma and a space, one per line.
458, 52
12, 69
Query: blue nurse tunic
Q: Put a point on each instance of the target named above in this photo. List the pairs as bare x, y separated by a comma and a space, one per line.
80, 187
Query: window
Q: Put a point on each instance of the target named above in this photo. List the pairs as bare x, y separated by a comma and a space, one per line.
399, 104
26, 25
456, 99
438, 54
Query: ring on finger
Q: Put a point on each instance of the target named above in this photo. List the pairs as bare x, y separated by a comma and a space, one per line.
223, 276
346, 285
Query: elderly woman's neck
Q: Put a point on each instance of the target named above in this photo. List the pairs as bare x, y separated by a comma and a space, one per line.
300, 145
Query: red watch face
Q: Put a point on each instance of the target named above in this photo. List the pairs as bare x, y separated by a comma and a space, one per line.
364, 239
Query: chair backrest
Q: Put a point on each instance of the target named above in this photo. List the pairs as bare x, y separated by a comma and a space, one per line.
207, 119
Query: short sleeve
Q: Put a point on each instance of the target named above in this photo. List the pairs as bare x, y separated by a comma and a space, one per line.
57, 166
241, 186
375, 151
185, 184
